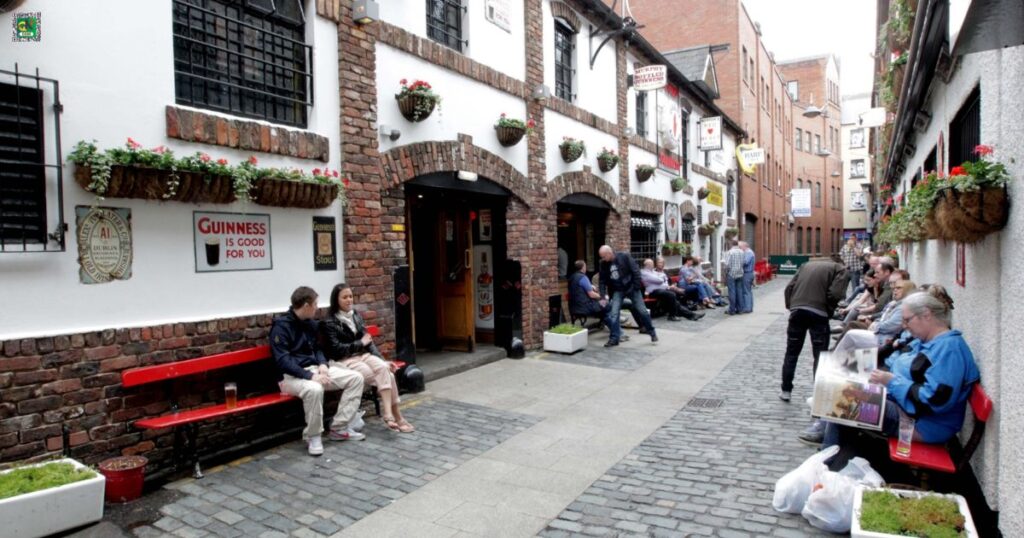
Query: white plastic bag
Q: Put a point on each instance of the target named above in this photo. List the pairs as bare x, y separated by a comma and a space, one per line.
860, 471
830, 505
792, 489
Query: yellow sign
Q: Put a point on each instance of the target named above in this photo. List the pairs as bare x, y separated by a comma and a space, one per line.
749, 156
715, 197
397, 227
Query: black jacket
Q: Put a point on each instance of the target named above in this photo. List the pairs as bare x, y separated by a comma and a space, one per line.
819, 284
339, 342
293, 344
629, 275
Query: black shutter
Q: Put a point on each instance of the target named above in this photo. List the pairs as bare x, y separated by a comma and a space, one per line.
22, 176
965, 131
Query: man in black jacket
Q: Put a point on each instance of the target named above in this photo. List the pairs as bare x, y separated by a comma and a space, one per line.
620, 279
811, 296
304, 372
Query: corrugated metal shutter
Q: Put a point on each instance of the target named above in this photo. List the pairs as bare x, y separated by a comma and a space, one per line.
22, 177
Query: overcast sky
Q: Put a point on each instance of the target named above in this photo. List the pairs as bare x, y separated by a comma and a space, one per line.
798, 28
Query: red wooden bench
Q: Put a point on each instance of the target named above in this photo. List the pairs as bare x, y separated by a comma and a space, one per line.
938, 457
185, 423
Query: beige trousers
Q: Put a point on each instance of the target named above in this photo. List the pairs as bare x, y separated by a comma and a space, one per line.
375, 372
349, 382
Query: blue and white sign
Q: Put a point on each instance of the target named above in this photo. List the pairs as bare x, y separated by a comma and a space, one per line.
801, 203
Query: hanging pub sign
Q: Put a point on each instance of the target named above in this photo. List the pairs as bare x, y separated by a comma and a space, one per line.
231, 241
715, 196
496, 11
711, 133
651, 77
671, 129
325, 255
801, 203
748, 156
671, 222
104, 244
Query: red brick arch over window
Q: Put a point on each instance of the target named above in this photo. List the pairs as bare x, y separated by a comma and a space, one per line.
582, 182
561, 11
404, 163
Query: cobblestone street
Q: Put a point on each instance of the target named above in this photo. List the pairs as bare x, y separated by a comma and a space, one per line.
684, 438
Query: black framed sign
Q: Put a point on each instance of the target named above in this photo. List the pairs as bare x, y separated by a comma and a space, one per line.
325, 252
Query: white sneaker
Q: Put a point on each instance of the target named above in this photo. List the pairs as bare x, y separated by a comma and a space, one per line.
316, 446
347, 435
358, 423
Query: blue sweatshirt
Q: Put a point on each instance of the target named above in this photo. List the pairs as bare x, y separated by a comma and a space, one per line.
932, 383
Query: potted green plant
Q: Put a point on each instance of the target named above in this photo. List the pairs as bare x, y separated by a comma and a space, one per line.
644, 172
565, 338
670, 248
607, 160
975, 203
883, 512
46, 498
416, 101
571, 149
511, 130
679, 183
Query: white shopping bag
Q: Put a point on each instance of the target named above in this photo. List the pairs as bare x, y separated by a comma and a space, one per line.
792, 490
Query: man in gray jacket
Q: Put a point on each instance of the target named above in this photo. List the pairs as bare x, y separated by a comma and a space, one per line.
811, 297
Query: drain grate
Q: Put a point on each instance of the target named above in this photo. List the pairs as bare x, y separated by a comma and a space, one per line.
705, 403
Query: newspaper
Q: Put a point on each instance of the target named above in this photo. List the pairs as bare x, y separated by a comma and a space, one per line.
842, 392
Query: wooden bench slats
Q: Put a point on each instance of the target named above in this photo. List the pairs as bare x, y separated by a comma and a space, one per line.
214, 411
163, 372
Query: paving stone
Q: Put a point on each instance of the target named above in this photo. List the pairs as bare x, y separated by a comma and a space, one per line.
189, 532
168, 524
228, 517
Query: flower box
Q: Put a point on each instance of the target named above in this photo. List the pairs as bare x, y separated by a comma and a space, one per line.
281, 193
857, 532
53, 510
565, 343
571, 149
969, 216
509, 136
643, 173
416, 108
156, 184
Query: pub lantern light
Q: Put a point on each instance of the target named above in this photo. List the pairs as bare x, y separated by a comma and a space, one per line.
365, 11
541, 93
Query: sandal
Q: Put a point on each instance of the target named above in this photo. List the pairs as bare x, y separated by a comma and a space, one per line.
405, 427
391, 424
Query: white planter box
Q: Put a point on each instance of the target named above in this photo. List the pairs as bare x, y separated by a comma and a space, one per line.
53, 510
565, 343
857, 532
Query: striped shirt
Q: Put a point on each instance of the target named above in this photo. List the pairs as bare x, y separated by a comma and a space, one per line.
734, 261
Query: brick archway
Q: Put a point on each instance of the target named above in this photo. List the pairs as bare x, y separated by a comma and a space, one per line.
582, 182
404, 163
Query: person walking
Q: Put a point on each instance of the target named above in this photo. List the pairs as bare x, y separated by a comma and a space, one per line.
853, 259
620, 280
734, 277
748, 278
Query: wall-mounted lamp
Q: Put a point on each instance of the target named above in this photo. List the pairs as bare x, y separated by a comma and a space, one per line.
823, 153
541, 93
388, 131
921, 120
365, 11
835, 173
629, 132
465, 175
813, 112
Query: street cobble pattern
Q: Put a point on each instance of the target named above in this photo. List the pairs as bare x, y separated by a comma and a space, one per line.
285, 492
708, 471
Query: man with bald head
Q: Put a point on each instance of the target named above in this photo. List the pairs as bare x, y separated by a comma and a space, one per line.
620, 279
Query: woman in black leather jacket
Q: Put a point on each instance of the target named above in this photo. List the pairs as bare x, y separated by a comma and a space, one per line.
345, 343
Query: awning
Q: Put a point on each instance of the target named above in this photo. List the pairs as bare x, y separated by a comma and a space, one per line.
642, 222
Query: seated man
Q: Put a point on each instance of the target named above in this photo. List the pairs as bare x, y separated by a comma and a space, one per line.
304, 372
656, 286
692, 286
930, 381
583, 298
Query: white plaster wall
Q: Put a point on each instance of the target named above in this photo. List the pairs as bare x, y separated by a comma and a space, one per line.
110, 92
652, 111
556, 127
488, 44
467, 107
987, 308
594, 87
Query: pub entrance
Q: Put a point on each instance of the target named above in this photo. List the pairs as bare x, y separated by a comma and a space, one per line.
456, 241
581, 231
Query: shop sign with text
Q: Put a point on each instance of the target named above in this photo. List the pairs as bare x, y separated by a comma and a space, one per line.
651, 77
715, 196
104, 244
231, 241
711, 133
325, 253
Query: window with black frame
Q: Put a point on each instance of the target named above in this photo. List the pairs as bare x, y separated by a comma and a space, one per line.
244, 58
564, 45
641, 114
643, 236
22, 176
965, 130
686, 229
444, 22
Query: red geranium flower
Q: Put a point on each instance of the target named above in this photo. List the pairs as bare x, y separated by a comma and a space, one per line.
316, 172
336, 174
204, 157
253, 160
531, 124
345, 181
958, 171
982, 149
222, 162
403, 82
133, 144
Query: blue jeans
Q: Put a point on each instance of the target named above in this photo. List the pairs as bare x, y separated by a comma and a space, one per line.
836, 433
735, 295
698, 289
748, 292
856, 291
640, 313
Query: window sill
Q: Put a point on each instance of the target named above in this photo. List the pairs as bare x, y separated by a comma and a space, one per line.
192, 125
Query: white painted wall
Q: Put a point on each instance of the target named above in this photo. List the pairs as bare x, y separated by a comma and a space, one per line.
489, 44
594, 87
110, 92
650, 132
467, 107
987, 308
558, 126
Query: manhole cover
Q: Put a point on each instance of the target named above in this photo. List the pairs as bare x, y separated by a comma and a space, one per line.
706, 403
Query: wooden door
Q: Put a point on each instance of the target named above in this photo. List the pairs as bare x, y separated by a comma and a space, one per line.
455, 275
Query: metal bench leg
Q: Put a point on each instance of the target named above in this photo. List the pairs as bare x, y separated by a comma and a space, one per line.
191, 431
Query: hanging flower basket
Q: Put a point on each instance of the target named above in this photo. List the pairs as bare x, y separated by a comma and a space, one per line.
571, 149
416, 101
705, 230
509, 136
730, 233
969, 216
703, 193
678, 184
644, 172
283, 193
607, 160
155, 184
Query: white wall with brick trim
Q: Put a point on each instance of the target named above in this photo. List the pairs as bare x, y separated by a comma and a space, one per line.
595, 88
557, 126
116, 85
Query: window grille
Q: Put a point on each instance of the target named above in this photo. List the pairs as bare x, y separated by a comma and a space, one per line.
643, 235
686, 230
641, 114
444, 23
245, 58
564, 45
965, 131
24, 172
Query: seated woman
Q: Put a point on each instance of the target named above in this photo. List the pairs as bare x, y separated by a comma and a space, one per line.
690, 284
930, 381
346, 342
